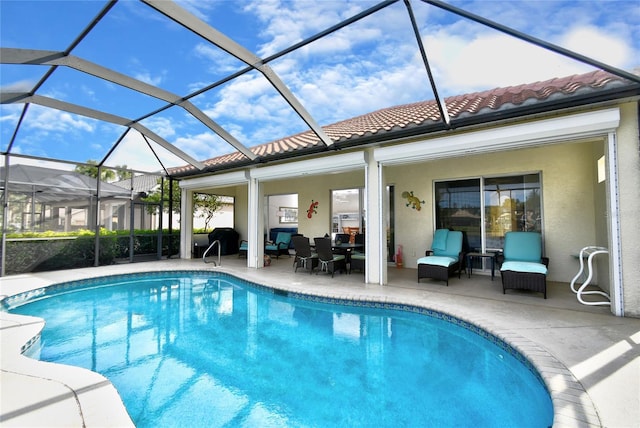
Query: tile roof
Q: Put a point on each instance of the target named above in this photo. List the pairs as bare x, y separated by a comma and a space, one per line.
422, 113
141, 183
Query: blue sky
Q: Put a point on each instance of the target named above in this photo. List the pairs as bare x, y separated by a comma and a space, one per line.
369, 65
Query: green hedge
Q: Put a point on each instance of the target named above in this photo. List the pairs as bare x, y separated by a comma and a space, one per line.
54, 251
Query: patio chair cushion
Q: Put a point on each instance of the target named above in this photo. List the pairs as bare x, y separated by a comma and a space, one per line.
440, 239
282, 242
443, 261
523, 247
283, 238
453, 244
528, 267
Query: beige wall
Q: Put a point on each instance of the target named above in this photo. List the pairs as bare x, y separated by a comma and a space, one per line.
601, 262
629, 198
567, 198
317, 189
241, 194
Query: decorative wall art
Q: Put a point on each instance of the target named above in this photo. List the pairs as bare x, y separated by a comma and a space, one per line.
312, 209
412, 201
288, 215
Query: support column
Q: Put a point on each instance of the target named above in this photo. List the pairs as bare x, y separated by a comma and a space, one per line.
67, 218
255, 251
615, 252
132, 221
375, 233
96, 258
186, 223
5, 214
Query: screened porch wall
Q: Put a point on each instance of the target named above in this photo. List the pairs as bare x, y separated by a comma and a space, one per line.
53, 213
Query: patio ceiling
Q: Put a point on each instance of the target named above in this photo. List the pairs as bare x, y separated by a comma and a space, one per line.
136, 129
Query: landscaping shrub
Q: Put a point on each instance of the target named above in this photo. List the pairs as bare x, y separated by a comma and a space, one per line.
46, 251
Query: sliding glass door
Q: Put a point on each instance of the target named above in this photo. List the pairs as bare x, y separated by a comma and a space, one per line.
458, 206
511, 203
488, 207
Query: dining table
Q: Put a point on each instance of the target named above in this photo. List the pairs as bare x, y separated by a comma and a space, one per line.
344, 248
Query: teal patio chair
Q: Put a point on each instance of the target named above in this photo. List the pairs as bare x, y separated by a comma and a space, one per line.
444, 258
522, 266
243, 248
280, 246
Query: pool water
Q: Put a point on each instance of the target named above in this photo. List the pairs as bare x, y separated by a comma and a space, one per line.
207, 349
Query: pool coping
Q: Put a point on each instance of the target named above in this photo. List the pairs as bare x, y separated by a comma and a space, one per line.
98, 401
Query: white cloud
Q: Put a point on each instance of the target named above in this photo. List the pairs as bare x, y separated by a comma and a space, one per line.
595, 43
162, 126
134, 152
367, 89
19, 86
290, 22
493, 60
9, 115
203, 146
243, 99
88, 91
201, 9
46, 119
146, 77
221, 62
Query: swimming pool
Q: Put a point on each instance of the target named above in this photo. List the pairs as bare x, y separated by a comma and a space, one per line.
207, 349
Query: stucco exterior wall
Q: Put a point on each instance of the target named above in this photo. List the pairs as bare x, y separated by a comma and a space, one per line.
568, 175
241, 194
629, 199
318, 189
309, 188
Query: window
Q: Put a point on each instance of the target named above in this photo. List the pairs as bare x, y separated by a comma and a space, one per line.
347, 214
486, 208
511, 203
601, 169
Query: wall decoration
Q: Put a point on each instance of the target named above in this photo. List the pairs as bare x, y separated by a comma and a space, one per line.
312, 209
412, 201
288, 215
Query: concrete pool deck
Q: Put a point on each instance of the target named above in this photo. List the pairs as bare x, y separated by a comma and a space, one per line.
589, 358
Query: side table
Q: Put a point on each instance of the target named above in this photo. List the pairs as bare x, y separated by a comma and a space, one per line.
471, 256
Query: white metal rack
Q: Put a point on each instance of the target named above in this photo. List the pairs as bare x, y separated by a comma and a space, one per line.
589, 253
